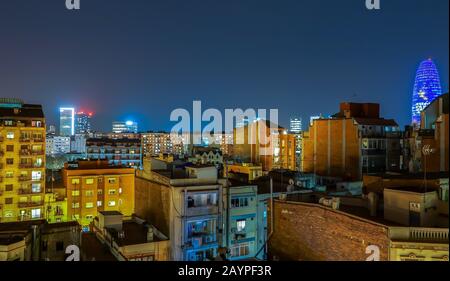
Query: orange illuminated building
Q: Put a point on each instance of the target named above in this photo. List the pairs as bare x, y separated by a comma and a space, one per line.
94, 186
351, 143
258, 143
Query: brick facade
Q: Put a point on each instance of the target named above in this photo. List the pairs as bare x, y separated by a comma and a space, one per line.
304, 231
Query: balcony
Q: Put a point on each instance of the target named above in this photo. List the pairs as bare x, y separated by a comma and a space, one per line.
29, 166
38, 140
24, 140
202, 210
23, 178
30, 204
200, 239
23, 191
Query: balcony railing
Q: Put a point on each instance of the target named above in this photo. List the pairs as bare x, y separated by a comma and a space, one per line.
24, 178
24, 139
29, 152
419, 234
29, 166
23, 191
30, 204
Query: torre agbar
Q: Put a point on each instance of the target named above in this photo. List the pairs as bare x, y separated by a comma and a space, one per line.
427, 87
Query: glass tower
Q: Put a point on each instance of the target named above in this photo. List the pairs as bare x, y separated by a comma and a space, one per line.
427, 87
66, 121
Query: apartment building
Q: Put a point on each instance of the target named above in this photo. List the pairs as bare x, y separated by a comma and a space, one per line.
433, 135
258, 143
132, 239
94, 186
22, 161
184, 203
241, 235
118, 152
353, 142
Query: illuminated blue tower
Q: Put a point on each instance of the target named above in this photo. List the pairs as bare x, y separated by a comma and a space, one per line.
427, 87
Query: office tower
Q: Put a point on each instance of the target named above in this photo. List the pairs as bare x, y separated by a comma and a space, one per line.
427, 87
83, 123
22, 161
66, 121
295, 125
124, 127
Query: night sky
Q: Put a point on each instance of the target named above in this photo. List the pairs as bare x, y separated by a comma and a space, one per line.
140, 59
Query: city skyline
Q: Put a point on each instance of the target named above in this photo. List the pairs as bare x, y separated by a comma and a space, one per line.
300, 60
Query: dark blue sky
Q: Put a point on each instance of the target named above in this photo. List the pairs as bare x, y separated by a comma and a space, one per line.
140, 59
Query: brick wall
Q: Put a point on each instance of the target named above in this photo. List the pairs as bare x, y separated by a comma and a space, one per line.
305, 231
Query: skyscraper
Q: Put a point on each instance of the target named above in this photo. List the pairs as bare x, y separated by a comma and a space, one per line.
83, 123
295, 125
427, 87
66, 121
124, 127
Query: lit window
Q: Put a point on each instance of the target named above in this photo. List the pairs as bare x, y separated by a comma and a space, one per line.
36, 187
75, 193
112, 180
10, 135
75, 205
89, 205
99, 203
240, 225
75, 181
35, 213
36, 175
111, 191
112, 203
90, 181
89, 193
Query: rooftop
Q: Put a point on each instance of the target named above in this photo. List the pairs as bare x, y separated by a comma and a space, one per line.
134, 233
5, 241
93, 249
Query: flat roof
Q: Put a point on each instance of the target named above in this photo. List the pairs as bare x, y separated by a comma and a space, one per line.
5, 241
134, 233
93, 249
111, 213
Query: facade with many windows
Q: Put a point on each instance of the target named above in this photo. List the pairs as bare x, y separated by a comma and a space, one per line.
22, 161
94, 186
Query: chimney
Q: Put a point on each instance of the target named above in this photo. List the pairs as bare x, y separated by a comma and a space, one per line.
150, 234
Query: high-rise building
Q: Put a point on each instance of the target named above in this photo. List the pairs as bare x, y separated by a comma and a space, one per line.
295, 125
83, 123
427, 87
124, 127
66, 121
22, 161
